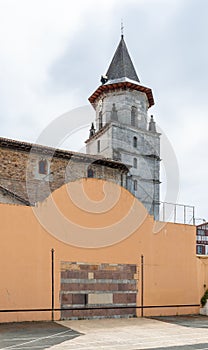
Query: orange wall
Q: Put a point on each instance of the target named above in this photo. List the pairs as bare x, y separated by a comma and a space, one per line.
85, 213
202, 266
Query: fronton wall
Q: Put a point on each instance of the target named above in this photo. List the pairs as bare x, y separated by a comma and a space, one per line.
108, 236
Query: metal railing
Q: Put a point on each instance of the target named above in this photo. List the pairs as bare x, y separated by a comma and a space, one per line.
176, 213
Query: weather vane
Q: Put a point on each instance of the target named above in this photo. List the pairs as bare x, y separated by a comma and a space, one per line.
122, 28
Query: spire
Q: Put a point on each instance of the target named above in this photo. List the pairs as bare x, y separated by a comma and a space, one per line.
121, 65
92, 130
152, 126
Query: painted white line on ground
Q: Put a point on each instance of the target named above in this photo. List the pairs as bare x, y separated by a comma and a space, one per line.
14, 339
34, 340
30, 347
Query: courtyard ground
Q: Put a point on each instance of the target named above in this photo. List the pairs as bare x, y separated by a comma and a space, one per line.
172, 333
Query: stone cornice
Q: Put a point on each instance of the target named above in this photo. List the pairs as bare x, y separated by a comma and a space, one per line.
122, 85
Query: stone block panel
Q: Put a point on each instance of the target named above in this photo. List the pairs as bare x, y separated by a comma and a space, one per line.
96, 286
126, 298
112, 275
72, 299
100, 298
74, 274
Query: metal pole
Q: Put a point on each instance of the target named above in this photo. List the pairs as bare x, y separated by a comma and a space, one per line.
175, 213
142, 285
194, 216
163, 211
184, 214
52, 284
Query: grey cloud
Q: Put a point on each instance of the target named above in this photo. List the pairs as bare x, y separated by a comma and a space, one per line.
83, 62
172, 60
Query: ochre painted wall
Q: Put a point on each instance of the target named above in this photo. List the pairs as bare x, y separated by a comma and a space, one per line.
87, 213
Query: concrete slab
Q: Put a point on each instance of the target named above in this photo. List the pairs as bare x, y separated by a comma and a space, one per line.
137, 333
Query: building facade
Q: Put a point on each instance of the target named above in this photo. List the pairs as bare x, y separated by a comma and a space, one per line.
123, 147
29, 173
123, 130
202, 239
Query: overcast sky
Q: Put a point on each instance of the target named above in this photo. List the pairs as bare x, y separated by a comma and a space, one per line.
52, 53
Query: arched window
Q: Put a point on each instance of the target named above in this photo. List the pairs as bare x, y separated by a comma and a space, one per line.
135, 185
90, 172
135, 141
133, 115
43, 166
135, 163
100, 121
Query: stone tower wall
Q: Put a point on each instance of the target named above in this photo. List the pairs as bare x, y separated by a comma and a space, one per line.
123, 102
116, 141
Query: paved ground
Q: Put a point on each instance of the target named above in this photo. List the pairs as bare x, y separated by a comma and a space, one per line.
170, 333
194, 321
33, 335
178, 333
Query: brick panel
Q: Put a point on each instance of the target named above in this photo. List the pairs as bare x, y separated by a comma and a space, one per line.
98, 285
124, 298
66, 299
81, 314
74, 274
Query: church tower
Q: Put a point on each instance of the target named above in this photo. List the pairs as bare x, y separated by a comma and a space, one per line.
124, 132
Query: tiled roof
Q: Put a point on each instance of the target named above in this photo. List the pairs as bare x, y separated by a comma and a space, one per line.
121, 65
59, 153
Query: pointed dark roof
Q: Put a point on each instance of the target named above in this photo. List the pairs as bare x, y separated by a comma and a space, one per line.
121, 65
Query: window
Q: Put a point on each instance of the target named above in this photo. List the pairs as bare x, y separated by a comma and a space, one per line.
135, 163
133, 115
90, 172
98, 146
135, 141
135, 185
43, 166
199, 249
100, 120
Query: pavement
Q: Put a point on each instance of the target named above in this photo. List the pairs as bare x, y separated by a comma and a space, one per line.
34, 335
171, 333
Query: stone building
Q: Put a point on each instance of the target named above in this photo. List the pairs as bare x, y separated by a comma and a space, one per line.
124, 147
29, 173
124, 132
